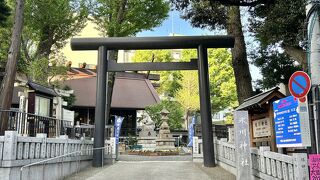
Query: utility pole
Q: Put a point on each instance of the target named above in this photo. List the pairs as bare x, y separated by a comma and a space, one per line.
6, 87
313, 57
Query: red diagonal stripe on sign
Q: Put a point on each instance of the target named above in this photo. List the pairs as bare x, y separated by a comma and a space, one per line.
303, 88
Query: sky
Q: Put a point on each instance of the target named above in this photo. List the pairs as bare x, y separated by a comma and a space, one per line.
174, 24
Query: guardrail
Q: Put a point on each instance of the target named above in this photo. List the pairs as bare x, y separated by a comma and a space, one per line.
31, 124
61, 159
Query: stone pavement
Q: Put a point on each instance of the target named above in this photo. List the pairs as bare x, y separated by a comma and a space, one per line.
154, 170
123, 157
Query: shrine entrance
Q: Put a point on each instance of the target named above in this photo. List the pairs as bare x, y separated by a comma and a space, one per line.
105, 65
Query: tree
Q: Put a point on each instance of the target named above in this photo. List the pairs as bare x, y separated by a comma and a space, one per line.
276, 67
46, 72
222, 82
188, 95
49, 24
120, 18
175, 116
214, 15
70, 100
169, 80
279, 28
4, 12
47, 27
6, 88
281, 22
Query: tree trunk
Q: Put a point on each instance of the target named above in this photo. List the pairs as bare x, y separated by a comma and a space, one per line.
45, 44
239, 55
6, 88
297, 54
112, 56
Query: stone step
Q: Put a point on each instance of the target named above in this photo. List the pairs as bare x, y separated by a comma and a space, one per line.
124, 157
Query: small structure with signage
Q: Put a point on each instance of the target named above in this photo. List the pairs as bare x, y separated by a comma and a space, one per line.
261, 124
291, 122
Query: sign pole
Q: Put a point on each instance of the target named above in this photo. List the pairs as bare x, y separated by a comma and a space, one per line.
313, 148
317, 115
313, 56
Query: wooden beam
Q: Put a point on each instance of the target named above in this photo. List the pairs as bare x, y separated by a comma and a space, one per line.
152, 66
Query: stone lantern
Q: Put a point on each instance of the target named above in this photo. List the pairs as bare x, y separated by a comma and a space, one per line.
165, 140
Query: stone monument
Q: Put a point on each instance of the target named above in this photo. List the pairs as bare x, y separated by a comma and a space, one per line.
165, 140
147, 135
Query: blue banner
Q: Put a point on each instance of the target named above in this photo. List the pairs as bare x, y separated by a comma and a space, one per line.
191, 131
117, 127
287, 122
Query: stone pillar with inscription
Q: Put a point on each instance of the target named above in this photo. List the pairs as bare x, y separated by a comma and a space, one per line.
242, 144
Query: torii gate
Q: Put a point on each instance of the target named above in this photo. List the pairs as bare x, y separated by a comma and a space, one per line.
201, 43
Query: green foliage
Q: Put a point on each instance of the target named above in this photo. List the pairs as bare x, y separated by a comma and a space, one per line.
5, 35
279, 28
203, 14
71, 99
275, 67
43, 71
47, 26
175, 116
132, 140
169, 80
229, 119
118, 18
4, 12
280, 21
188, 95
50, 23
222, 82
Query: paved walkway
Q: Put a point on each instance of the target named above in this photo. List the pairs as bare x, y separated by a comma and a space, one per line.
154, 170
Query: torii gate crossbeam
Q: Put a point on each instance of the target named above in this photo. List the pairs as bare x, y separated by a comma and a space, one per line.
201, 43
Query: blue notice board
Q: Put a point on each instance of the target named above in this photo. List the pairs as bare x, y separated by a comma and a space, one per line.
287, 122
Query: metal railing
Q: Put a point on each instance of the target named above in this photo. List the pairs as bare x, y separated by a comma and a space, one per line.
61, 159
31, 124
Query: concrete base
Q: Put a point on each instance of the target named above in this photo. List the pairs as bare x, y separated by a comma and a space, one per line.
148, 143
52, 171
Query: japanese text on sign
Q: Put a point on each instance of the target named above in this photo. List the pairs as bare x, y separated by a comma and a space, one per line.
242, 142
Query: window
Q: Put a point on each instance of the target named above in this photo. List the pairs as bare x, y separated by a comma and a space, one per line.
42, 106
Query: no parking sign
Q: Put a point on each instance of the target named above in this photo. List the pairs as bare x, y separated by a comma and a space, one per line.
299, 85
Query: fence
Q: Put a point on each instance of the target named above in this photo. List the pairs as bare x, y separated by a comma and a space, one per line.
17, 151
265, 164
31, 124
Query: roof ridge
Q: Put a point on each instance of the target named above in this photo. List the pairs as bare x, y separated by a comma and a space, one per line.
257, 95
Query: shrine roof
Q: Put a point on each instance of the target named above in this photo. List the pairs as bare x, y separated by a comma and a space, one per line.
259, 99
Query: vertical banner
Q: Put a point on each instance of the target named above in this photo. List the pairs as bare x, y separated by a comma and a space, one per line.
242, 142
314, 162
191, 131
117, 127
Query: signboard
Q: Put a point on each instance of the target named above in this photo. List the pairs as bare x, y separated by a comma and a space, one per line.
231, 135
68, 116
314, 163
261, 128
291, 122
195, 147
242, 142
117, 127
299, 85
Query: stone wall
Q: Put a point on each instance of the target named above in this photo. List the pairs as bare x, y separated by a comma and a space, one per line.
60, 156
